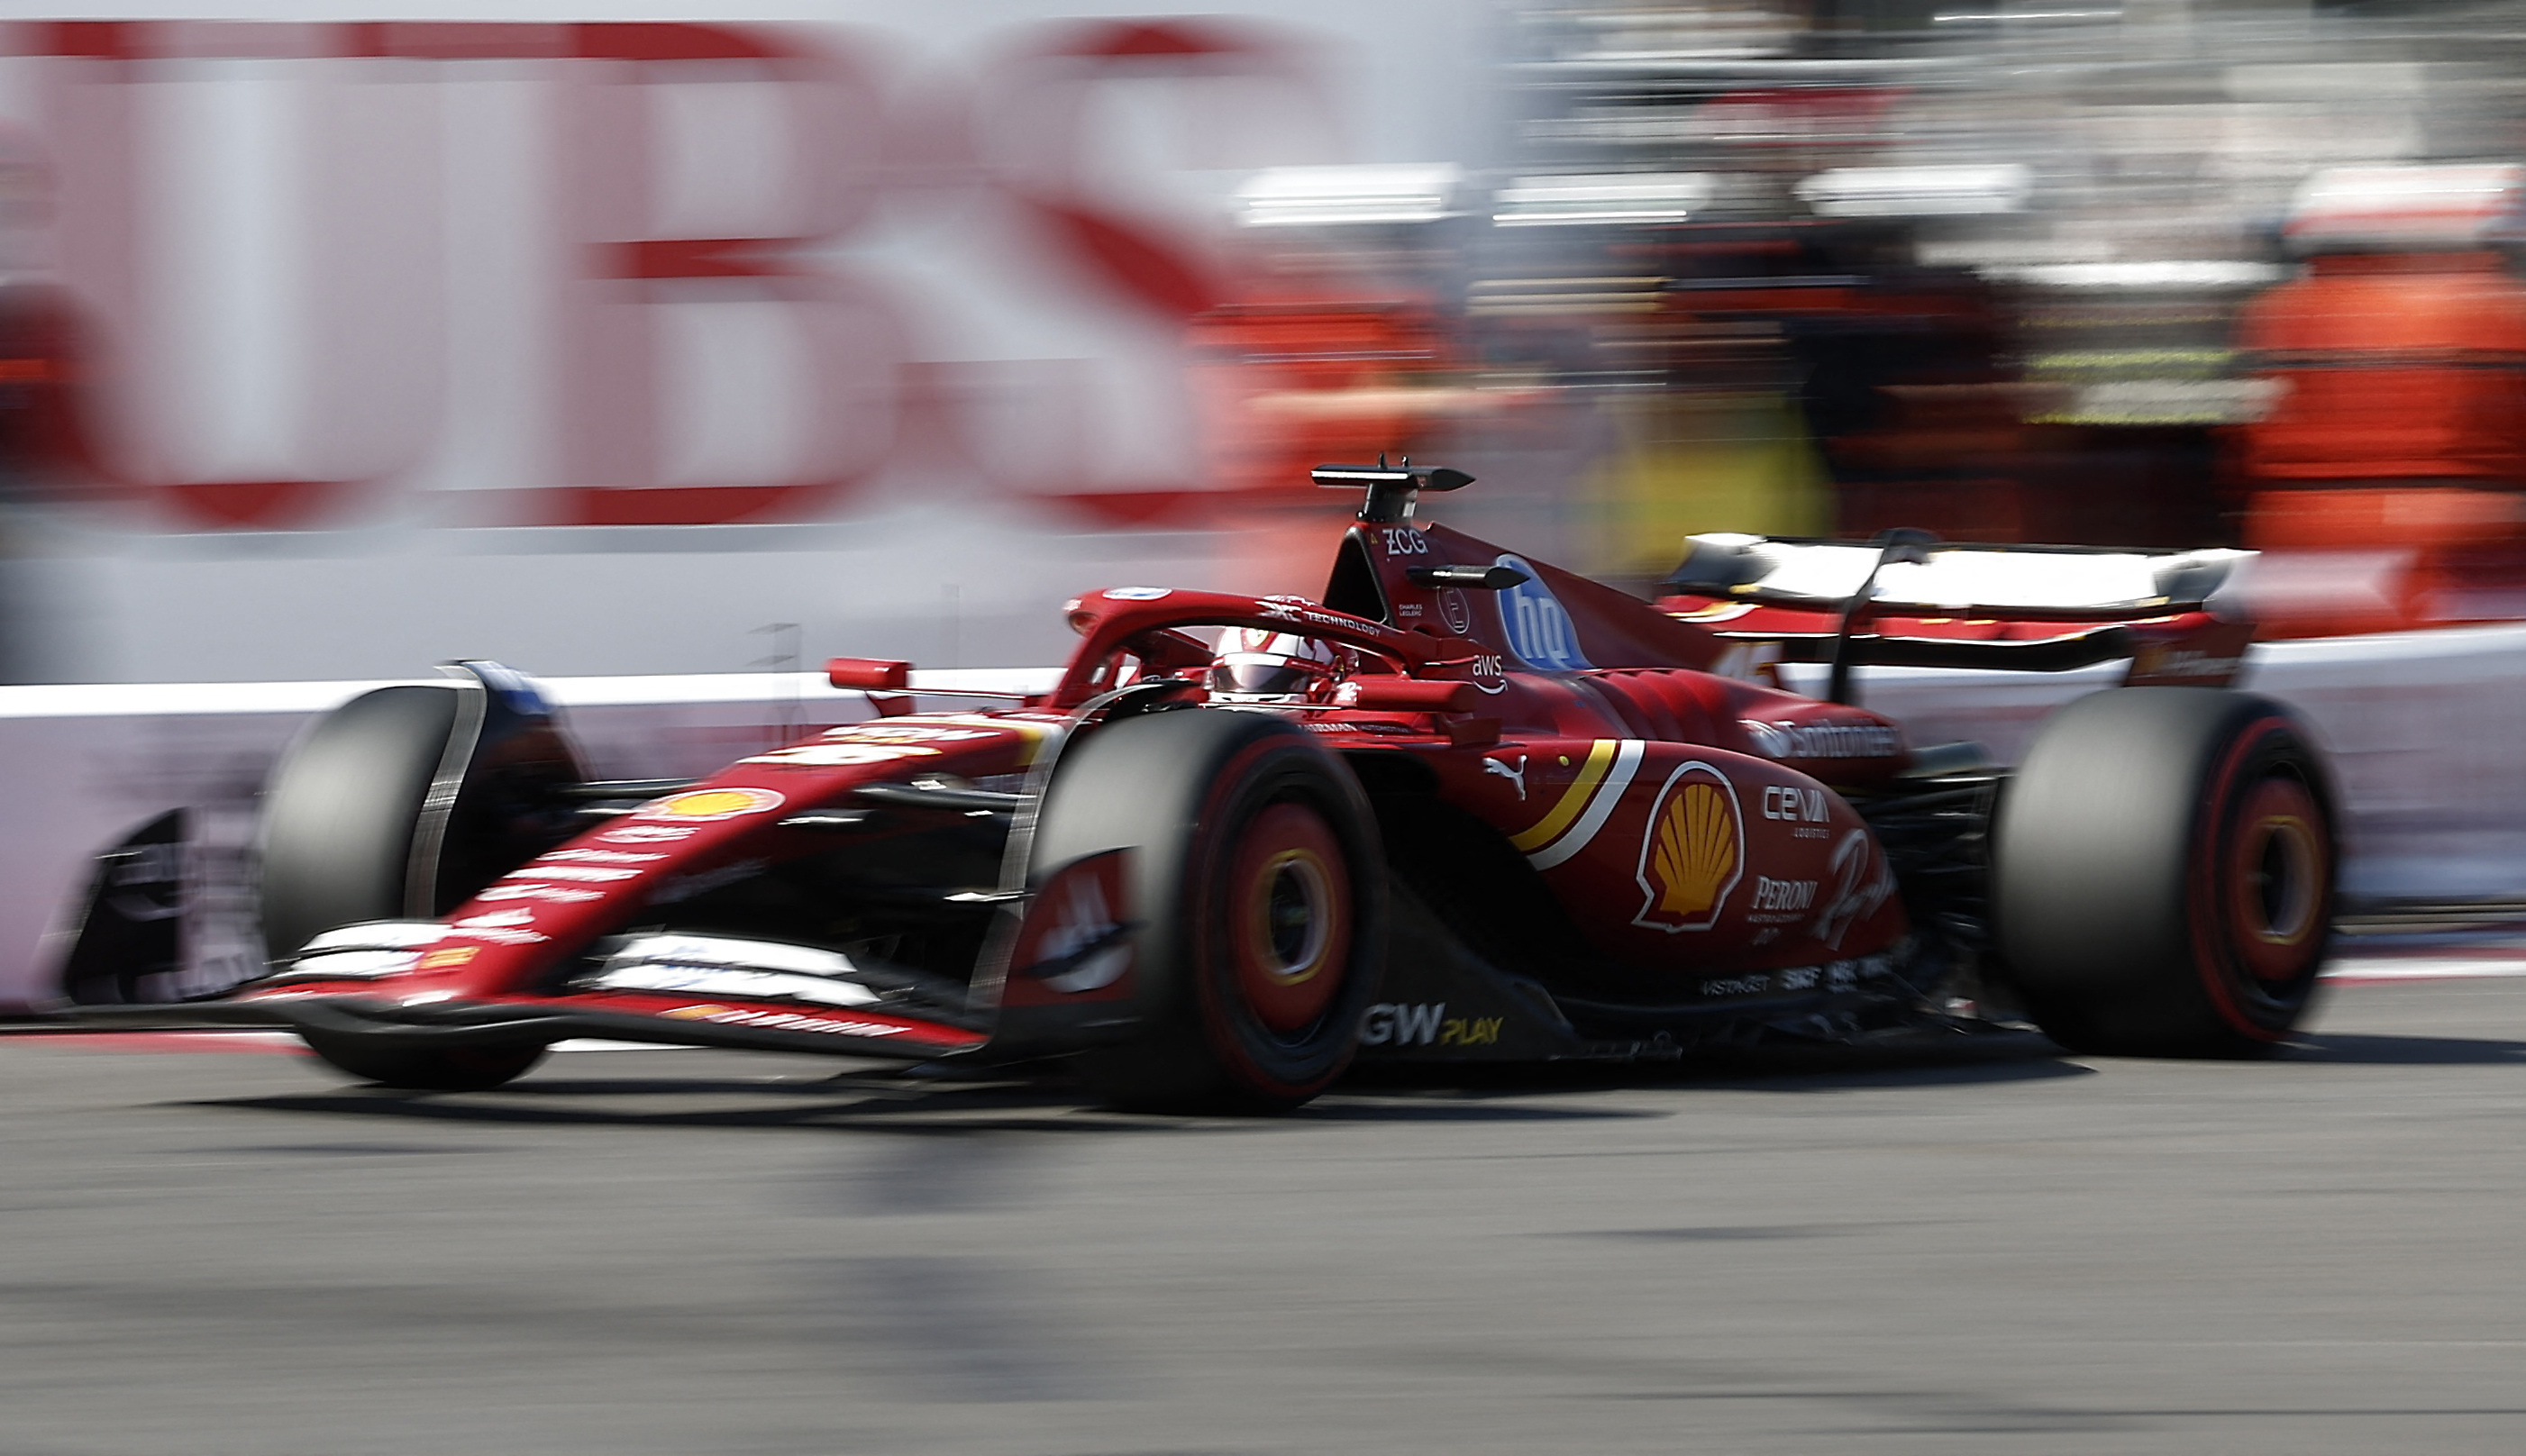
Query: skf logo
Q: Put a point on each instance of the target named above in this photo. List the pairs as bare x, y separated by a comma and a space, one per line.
1693, 852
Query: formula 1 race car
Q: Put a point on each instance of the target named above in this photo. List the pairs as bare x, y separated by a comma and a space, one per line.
1467, 807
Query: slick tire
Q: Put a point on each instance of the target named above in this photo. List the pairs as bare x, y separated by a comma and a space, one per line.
401, 803
2163, 874
1259, 883
343, 811
456, 1069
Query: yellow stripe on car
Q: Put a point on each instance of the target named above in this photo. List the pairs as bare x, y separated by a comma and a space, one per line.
1628, 753
1574, 798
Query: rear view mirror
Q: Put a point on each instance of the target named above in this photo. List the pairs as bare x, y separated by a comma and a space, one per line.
869, 673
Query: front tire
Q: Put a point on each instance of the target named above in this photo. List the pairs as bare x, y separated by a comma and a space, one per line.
403, 802
454, 1069
1259, 883
2163, 874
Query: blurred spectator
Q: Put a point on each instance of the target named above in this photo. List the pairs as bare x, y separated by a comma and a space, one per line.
39, 434
2401, 419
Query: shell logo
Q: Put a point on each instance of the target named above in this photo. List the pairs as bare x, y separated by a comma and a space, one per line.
704, 805
1693, 852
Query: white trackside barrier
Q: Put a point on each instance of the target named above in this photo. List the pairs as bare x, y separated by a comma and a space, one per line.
2422, 729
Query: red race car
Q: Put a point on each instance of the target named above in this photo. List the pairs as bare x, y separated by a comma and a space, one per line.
1468, 807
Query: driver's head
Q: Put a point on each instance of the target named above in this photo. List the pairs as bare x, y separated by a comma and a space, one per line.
1255, 664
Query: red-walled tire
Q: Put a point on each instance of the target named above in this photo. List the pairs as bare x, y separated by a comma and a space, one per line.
1259, 885
2163, 874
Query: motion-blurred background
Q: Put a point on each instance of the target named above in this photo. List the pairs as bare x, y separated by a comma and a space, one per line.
331, 347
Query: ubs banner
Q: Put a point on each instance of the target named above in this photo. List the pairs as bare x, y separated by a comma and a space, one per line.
337, 347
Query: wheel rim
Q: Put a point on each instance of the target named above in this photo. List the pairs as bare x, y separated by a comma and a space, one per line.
1291, 917
2276, 867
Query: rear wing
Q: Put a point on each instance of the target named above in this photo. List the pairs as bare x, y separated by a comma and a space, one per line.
1958, 578
1913, 602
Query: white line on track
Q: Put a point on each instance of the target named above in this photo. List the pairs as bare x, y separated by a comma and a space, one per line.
2425, 967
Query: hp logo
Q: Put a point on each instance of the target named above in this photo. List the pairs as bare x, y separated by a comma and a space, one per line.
1539, 632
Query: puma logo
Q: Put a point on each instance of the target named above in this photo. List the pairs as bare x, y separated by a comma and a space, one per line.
1516, 775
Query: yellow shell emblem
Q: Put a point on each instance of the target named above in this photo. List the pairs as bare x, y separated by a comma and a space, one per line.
1693, 852
704, 805
1696, 848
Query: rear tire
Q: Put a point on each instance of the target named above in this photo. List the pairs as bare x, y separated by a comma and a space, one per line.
454, 1069
2163, 874
1260, 885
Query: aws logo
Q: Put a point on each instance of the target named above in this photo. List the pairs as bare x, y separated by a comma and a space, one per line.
1539, 630
1693, 851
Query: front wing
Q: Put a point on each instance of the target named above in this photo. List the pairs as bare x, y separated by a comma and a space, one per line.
665, 1020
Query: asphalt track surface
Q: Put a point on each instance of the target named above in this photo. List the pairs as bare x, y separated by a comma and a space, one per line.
1995, 1249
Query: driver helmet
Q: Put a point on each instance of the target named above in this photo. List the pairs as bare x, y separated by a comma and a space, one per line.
1253, 664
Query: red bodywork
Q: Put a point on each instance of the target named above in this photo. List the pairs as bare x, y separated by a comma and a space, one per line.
1682, 818
1694, 828
1687, 821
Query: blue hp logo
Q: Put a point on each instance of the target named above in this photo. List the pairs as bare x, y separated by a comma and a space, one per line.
1539, 632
